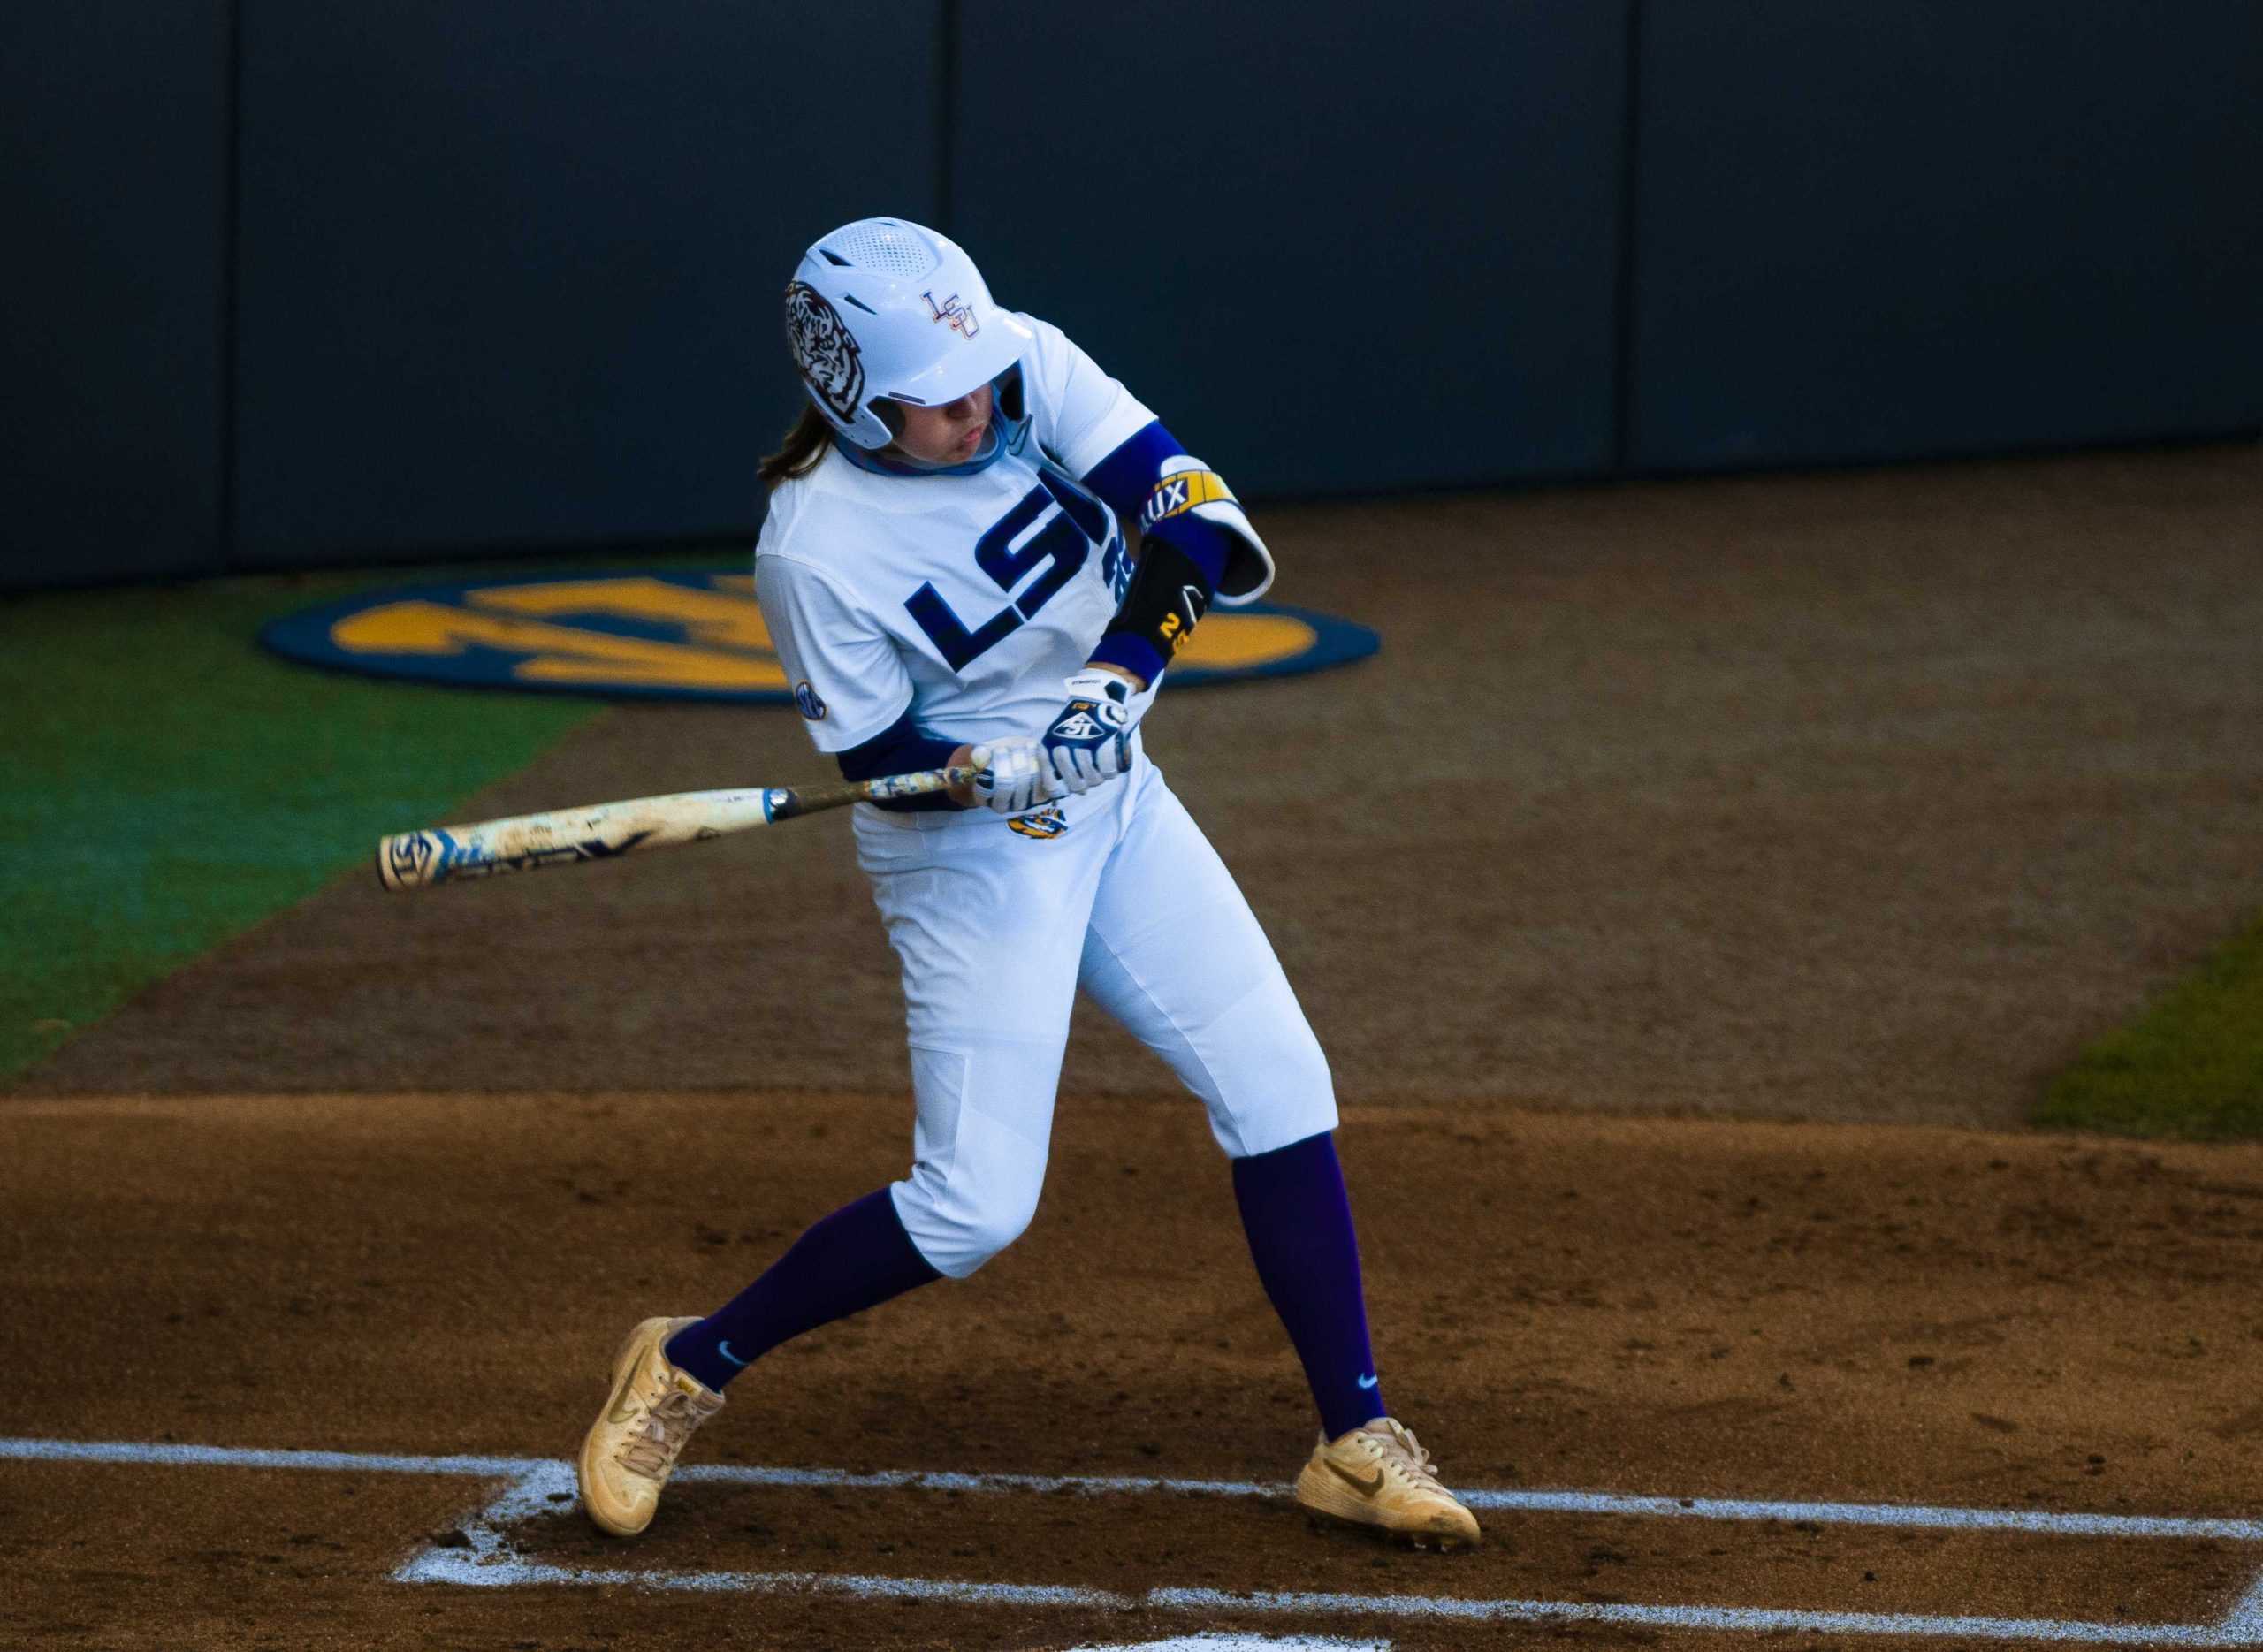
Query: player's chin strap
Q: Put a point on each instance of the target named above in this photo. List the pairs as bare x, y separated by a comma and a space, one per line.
1184, 485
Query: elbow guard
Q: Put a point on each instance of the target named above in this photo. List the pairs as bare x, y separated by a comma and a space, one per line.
1186, 485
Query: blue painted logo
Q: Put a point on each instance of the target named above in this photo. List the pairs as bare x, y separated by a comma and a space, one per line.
681, 634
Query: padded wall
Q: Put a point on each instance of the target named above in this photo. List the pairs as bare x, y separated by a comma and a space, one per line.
113, 162
1874, 229
1333, 251
506, 275
511, 271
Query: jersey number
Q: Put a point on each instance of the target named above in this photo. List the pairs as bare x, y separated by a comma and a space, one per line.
1065, 542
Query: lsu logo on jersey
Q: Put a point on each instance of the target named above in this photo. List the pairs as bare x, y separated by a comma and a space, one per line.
1047, 822
955, 311
807, 702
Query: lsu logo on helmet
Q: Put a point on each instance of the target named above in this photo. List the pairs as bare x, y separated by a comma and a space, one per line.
955, 311
1047, 822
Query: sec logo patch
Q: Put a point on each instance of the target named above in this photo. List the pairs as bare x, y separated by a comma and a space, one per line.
805, 698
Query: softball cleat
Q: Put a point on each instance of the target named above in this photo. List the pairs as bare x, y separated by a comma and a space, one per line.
648, 1419
1379, 1477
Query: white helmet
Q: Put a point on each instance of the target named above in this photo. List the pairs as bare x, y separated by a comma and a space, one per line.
882, 307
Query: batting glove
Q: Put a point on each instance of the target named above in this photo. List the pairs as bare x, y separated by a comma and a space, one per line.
1010, 776
1090, 740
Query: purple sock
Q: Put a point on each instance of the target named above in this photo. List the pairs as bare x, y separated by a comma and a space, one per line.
1299, 1220
855, 1259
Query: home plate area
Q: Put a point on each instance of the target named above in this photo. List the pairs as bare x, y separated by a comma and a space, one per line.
1200, 1548
1224, 1557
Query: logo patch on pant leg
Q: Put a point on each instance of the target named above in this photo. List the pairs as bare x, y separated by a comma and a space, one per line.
1047, 822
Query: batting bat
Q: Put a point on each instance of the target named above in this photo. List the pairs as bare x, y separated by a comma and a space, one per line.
417, 860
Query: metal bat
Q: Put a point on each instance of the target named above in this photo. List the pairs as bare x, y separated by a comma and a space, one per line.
417, 860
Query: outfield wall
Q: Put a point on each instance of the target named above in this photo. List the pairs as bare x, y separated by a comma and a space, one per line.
295, 286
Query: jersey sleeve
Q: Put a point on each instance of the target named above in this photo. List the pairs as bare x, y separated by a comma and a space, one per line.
1081, 415
848, 682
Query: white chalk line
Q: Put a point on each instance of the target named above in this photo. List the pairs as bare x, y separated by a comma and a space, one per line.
536, 1486
1746, 1509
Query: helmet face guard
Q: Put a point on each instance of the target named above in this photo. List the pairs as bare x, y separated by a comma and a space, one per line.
885, 310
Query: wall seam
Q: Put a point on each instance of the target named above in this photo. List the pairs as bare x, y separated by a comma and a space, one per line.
1624, 394
946, 83
231, 251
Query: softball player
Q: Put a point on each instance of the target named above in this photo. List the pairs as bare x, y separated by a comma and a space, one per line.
943, 575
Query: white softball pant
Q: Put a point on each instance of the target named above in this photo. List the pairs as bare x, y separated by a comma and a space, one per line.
997, 929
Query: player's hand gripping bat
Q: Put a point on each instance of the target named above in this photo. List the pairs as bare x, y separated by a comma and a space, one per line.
417, 860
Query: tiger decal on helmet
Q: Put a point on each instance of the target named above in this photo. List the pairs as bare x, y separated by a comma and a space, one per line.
825, 350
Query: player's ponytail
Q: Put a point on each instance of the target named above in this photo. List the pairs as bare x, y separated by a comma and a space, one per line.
797, 455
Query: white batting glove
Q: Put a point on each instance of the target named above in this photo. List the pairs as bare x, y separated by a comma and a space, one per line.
1090, 741
1010, 776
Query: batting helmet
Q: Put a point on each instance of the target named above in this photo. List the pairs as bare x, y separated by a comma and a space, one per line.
884, 309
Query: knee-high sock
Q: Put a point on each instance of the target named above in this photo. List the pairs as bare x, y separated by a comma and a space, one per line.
1299, 1220
855, 1259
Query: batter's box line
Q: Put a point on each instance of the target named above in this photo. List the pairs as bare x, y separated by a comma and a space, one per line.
484, 1558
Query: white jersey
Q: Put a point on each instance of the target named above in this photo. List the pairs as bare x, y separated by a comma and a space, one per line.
965, 599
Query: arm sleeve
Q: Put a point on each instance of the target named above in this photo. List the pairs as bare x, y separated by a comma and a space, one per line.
1124, 479
1081, 415
848, 682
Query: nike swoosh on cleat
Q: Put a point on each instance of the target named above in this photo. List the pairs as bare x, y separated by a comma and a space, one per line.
1365, 1487
626, 1406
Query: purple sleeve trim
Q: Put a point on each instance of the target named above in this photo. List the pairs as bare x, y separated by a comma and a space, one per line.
900, 749
1135, 653
1124, 477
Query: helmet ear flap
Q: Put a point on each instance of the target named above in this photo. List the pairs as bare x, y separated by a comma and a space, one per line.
1008, 389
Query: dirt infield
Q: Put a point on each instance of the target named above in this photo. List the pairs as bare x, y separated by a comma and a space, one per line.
1685, 1309
1749, 850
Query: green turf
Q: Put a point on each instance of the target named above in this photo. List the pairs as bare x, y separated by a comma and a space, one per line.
165, 784
2190, 1065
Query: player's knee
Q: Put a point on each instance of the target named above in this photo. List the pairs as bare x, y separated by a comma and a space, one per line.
956, 1236
994, 1230
1278, 1091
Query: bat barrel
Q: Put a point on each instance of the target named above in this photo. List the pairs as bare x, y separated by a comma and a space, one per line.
436, 855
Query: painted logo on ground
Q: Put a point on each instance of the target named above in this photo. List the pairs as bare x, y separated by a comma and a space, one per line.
685, 635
